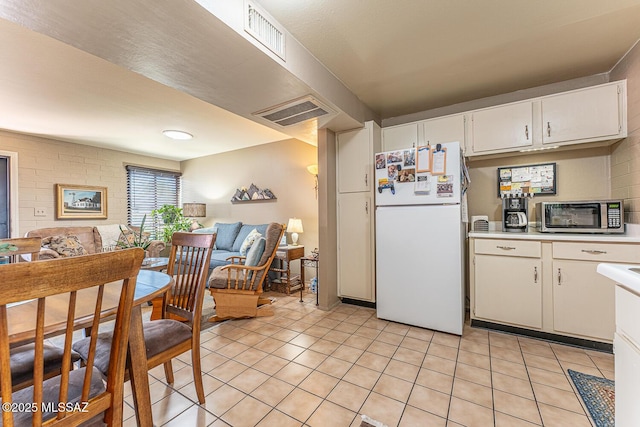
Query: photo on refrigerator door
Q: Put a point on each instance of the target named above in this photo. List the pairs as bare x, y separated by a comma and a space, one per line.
409, 158
394, 157
381, 162
407, 175
445, 186
392, 172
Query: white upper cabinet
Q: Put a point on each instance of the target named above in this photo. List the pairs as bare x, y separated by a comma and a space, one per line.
400, 137
444, 129
431, 131
355, 150
506, 127
590, 114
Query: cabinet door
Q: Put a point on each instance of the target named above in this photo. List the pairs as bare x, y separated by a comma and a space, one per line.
627, 366
502, 128
591, 113
355, 252
444, 129
508, 290
400, 137
583, 300
355, 160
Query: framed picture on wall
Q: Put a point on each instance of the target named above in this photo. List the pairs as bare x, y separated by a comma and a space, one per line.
81, 202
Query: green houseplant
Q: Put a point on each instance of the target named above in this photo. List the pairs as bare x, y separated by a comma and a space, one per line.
7, 247
134, 239
173, 220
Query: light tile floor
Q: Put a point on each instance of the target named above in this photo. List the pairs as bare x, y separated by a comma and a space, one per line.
305, 366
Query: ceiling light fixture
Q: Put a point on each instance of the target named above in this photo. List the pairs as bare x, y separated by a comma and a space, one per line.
177, 134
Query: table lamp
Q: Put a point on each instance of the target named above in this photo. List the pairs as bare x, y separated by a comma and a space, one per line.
294, 227
194, 210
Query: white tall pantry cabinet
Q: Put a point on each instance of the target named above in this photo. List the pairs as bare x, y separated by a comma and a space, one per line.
355, 212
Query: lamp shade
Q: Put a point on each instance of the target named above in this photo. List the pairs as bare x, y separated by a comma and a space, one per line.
313, 169
194, 209
295, 225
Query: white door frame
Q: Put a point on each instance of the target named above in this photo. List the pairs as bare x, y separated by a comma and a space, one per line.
14, 228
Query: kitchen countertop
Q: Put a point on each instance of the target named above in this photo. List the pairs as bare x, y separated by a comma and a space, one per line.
628, 237
622, 275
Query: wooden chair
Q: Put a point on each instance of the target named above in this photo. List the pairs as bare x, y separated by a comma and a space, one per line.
22, 357
237, 287
55, 285
167, 338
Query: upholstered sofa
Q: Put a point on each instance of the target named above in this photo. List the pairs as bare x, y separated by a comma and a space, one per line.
92, 239
229, 240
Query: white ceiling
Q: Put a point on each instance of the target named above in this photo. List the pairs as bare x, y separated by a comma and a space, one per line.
404, 56
115, 74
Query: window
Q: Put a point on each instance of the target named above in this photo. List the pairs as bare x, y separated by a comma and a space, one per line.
149, 189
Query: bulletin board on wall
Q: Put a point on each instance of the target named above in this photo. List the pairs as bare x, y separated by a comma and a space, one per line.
527, 180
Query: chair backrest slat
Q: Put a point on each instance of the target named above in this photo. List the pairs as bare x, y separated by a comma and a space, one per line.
189, 265
54, 284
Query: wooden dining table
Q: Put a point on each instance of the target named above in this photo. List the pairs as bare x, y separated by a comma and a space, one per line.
149, 285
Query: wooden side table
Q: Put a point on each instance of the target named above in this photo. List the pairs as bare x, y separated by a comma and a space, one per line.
285, 255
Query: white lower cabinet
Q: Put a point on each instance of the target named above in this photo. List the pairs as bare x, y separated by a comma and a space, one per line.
509, 290
583, 301
627, 358
549, 286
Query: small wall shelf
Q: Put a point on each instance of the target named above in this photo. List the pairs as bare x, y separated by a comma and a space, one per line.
239, 202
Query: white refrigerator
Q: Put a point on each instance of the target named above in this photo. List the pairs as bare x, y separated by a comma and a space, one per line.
420, 237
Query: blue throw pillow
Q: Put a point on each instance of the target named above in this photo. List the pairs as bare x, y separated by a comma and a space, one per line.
254, 254
227, 235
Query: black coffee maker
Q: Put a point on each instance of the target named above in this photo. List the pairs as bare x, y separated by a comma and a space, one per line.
514, 213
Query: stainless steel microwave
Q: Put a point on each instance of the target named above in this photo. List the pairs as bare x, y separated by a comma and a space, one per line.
597, 216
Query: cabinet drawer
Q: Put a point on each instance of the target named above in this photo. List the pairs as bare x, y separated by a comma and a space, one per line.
627, 309
519, 248
602, 252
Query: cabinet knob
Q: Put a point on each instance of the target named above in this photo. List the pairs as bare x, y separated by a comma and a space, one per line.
506, 248
535, 274
559, 277
526, 131
549, 129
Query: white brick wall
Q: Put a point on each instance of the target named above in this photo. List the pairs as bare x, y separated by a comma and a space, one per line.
42, 163
625, 155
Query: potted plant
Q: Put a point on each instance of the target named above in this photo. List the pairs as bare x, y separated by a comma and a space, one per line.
173, 221
134, 239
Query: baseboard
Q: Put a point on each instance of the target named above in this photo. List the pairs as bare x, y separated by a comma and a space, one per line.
578, 342
358, 302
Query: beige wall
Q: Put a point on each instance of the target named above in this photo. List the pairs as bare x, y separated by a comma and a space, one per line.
42, 163
625, 155
279, 166
581, 175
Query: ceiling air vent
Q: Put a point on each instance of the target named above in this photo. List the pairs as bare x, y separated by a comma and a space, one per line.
264, 29
296, 111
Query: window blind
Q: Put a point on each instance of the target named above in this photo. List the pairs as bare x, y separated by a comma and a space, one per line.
149, 189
